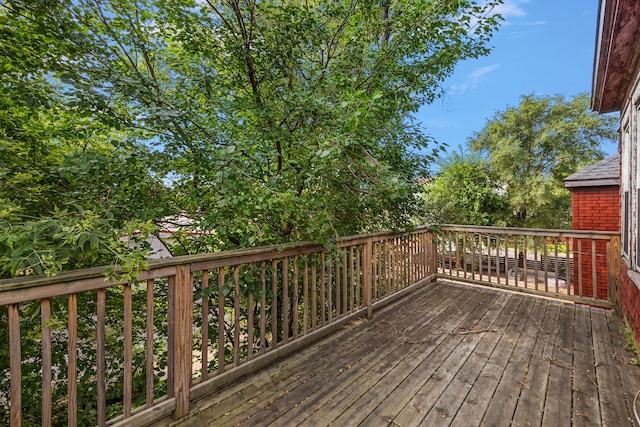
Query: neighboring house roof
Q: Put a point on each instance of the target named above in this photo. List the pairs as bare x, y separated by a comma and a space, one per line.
604, 173
617, 53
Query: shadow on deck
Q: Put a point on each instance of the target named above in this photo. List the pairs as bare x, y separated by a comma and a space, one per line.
446, 354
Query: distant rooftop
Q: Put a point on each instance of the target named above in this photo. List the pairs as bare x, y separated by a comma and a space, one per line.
604, 173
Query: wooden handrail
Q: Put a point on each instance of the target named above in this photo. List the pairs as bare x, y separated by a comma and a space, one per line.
196, 322
265, 301
518, 258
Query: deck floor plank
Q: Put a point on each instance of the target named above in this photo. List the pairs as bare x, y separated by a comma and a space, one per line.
447, 354
419, 346
391, 406
342, 345
624, 360
319, 373
505, 397
557, 407
534, 386
614, 411
586, 410
475, 405
412, 366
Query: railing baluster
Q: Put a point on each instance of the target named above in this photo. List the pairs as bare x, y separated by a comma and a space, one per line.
338, 284
285, 298
204, 346
323, 294
367, 279
480, 255
183, 339
568, 267
525, 257
250, 321
594, 271
15, 363
359, 280
464, 252
171, 301
100, 356
536, 270
506, 259
294, 304
314, 296
489, 275
72, 373
221, 323
516, 263
149, 374
393, 263
128, 352
305, 297
45, 319
236, 315
498, 260
580, 290
443, 256
345, 282
556, 262
546, 265
352, 279
263, 310
274, 303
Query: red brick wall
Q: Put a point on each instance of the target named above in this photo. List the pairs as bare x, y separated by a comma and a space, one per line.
596, 209
630, 297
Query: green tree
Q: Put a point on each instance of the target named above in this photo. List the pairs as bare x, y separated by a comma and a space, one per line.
464, 192
275, 121
532, 147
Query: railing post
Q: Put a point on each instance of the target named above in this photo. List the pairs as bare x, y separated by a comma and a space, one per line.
183, 324
368, 276
613, 272
433, 252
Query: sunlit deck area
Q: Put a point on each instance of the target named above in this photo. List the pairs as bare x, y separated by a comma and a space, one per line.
445, 354
463, 326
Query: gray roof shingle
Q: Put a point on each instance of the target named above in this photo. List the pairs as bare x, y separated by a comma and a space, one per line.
603, 173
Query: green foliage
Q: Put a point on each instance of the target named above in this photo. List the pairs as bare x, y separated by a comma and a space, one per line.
465, 191
80, 239
269, 121
534, 146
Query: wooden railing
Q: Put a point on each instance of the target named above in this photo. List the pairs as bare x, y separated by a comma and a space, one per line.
84, 351
580, 266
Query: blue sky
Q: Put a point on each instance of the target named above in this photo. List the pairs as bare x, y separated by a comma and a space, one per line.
544, 47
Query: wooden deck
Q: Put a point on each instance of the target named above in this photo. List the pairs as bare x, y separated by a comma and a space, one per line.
447, 354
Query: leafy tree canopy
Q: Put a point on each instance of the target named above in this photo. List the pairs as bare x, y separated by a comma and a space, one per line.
532, 147
265, 121
465, 191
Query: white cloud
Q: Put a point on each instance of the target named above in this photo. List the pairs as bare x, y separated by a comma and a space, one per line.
510, 9
472, 80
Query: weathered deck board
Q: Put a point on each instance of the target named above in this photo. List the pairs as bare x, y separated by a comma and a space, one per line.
557, 408
448, 354
613, 410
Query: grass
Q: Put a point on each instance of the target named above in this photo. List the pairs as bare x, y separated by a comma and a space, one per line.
632, 345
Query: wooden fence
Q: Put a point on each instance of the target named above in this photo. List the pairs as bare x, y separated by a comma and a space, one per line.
580, 266
86, 351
